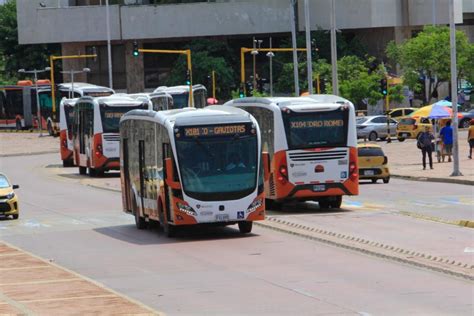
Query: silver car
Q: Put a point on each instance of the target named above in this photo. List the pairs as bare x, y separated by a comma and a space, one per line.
375, 127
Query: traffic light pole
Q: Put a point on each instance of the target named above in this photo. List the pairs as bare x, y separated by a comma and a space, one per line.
53, 92
186, 52
244, 50
387, 107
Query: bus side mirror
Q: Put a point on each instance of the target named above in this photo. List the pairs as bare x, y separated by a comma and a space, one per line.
266, 165
170, 175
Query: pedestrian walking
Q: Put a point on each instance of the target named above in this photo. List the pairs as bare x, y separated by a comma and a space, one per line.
470, 138
461, 98
411, 96
425, 143
446, 135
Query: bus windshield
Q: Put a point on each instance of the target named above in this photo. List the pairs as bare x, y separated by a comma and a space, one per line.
316, 129
110, 116
180, 101
218, 162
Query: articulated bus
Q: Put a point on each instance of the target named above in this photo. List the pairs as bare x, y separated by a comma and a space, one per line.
192, 166
312, 146
180, 96
66, 118
18, 107
95, 129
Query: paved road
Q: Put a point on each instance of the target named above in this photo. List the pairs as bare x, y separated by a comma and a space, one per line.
217, 271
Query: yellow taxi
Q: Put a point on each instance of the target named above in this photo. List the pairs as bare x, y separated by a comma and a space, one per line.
400, 113
8, 198
411, 127
372, 163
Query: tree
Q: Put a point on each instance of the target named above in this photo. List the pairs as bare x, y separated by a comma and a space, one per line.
206, 57
428, 55
17, 56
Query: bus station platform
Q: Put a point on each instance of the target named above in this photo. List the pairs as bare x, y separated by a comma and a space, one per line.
30, 285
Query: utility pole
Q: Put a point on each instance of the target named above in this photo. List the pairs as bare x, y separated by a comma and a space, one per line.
293, 41
308, 47
454, 92
109, 48
335, 84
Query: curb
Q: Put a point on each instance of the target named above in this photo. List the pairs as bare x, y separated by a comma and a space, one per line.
30, 154
376, 249
432, 179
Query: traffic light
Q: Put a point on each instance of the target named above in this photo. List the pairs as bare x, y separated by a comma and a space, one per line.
188, 77
383, 86
135, 49
241, 91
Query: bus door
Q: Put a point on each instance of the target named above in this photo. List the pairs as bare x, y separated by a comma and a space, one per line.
167, 154
126, 173
141, 170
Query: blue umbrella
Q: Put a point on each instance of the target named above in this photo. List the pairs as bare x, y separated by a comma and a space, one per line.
439, 112
445, 103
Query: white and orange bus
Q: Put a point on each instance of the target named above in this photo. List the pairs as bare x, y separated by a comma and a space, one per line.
66, 117
181, 98
95, 129
160, 101
192, 166
312, 146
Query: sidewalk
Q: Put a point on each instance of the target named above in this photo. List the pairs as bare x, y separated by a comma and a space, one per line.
12, 144
404, 160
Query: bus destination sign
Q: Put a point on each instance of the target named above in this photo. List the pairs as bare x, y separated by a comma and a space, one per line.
317, 123
214, 130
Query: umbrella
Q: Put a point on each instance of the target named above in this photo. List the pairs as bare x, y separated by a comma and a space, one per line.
434, 111
445, 103
211, 101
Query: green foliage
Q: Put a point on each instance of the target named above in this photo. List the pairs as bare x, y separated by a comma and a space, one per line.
206, 57
17, 56
429, 53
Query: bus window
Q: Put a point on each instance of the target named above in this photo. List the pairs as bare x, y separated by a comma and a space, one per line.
322, 129
111, 117
180, 101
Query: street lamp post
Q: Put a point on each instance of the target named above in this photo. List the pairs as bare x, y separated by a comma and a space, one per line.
72, 73
270, 55
38, 108
254, 53
109, 48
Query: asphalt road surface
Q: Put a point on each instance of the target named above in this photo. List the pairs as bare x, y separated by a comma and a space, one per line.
217, 271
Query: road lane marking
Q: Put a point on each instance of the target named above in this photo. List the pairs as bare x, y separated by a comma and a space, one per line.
469, 249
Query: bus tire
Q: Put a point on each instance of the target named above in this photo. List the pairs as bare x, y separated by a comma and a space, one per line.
140, 222
68, 163
324, 204
92, 172
245, 227
336, 203
273, 205
50, 129
18, 125
82, 170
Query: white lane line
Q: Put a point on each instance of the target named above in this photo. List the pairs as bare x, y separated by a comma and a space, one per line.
469, 249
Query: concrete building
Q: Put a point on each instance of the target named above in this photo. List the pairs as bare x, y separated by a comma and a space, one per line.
81, 24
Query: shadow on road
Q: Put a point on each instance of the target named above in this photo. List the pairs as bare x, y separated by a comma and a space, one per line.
305, 208
155, 234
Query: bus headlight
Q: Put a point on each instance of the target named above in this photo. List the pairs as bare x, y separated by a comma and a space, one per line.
186, 209
255, 205
10, 195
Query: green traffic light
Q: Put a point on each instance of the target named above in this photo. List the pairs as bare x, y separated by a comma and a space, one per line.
135, 53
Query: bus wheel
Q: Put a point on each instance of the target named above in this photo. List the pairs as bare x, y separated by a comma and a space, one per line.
139, 221
68, 163
323, 204
18, 125
336, 202
92, 172
50, 129
82, 170
273, 205
245, 227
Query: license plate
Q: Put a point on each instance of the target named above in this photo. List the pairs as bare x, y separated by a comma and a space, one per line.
319, 188
369, 172
222, 217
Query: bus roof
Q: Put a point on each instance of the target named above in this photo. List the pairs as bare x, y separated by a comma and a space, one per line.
317, 102
192, 116
178, 89
112, 100
84, 86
